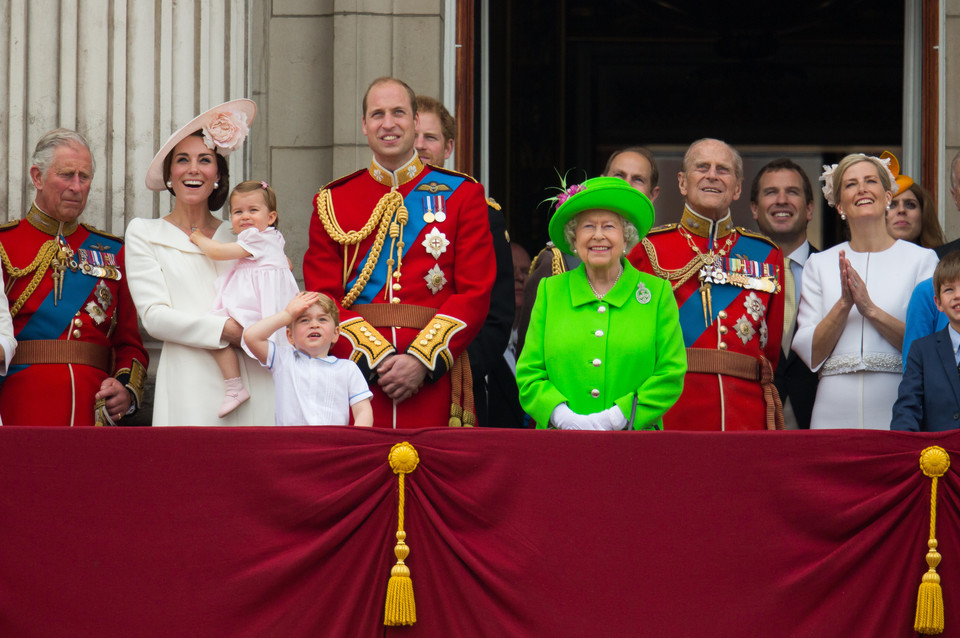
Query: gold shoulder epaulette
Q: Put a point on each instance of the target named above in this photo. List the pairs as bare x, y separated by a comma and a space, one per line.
493, 204
97, 231
344, 179
746, 232
452, 172
662, 228
13, 223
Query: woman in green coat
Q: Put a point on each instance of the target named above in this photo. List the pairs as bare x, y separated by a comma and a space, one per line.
604, 350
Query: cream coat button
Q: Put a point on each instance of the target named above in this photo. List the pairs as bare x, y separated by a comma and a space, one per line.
596, 363
595, 393
602, 309
598, 333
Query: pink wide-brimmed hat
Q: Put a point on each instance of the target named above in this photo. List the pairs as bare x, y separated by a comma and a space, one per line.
224, 127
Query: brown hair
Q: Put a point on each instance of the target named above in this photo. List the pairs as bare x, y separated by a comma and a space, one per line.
384, 80
639, 150
931, 234
948, 270
448, 125
782, 164
330, 307
256, 186
219, 195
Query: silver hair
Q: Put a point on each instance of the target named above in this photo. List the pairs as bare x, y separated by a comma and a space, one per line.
43, 154
737, 159
631, 236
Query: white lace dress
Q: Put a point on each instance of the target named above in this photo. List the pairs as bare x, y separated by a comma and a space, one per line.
860, 378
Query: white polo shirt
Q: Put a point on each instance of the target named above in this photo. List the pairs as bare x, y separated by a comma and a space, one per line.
313, 391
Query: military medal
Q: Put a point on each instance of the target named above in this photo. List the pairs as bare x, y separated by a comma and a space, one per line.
436, 243
435, 279
643, 294
433, 210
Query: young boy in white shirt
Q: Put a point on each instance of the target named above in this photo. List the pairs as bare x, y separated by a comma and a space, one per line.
312, 387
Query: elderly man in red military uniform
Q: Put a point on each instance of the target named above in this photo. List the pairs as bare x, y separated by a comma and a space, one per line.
405, 249
728, 283
79, 359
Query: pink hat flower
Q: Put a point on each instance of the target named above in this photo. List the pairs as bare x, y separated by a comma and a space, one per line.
225, 132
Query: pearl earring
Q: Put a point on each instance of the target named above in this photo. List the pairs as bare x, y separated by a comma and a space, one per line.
169, 184
216, 185
843, 217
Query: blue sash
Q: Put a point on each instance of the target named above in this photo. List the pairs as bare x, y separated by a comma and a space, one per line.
50, 320
721, 296
414, 201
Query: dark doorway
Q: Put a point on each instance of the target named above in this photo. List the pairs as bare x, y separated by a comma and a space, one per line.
573, 80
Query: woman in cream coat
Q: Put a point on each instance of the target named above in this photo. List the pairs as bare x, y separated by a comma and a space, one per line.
172, 281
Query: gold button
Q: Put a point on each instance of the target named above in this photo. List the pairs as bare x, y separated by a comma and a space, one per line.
722, 314
429, 337
378, 343
723, 330
423, 342
437, 326
77, 323
371, 338
722, 346
396, 286
395, 300
432, 331
76, 334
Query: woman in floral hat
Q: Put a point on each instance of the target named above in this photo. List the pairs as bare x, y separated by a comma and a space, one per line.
172, 282
850, 323
604, 350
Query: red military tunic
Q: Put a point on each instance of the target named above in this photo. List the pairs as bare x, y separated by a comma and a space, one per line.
66, 349
425, 292
733, 305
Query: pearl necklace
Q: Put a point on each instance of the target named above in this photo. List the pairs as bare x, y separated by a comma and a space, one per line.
597, 294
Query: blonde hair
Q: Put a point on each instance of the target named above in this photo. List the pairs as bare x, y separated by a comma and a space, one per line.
856, 158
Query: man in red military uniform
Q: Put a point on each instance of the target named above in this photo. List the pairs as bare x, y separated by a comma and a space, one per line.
406, 251
728, 283
79, 359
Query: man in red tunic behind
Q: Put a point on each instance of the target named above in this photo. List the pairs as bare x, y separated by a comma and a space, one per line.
79, 359
728, 283
405, 249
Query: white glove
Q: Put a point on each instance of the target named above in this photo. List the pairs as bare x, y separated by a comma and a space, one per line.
566, 419
609, 419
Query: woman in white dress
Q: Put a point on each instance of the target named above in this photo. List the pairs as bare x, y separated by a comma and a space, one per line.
854, 301
173, 283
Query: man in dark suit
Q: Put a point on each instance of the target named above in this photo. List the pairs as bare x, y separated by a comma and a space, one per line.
781, 199
929, 397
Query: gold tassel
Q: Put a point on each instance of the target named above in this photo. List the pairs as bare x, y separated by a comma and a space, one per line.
400, 608
934, 462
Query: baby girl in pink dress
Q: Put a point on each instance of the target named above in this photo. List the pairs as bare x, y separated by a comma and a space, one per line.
259, 285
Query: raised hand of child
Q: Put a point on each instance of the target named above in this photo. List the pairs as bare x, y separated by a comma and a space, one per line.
301, 302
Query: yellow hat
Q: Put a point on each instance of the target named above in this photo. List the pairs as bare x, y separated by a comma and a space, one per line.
903, 182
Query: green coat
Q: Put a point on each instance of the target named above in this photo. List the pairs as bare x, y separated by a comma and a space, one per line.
593, 353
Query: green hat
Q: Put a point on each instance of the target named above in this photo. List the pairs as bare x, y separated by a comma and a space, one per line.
600, 193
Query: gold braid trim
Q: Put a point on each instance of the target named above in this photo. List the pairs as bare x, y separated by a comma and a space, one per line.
556, 262
680, 276
382, 214
38, 266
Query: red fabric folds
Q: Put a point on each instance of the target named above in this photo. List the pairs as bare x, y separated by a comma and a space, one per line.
290, 532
